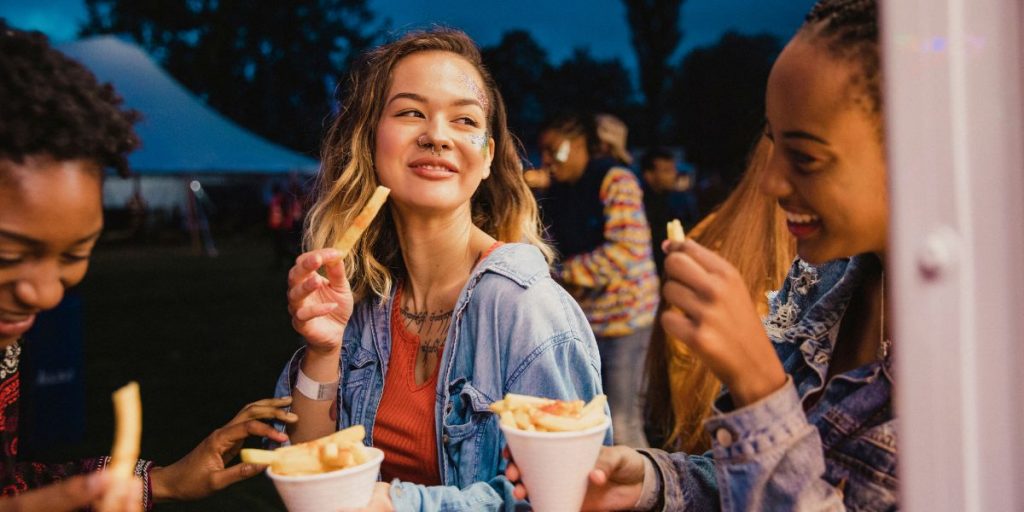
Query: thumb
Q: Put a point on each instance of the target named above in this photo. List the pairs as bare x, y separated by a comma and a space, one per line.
237, 473
71, 494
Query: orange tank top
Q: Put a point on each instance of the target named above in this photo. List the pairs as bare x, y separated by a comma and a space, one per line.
404, 428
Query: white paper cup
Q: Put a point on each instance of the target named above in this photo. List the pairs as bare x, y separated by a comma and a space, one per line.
555, 465
327, 492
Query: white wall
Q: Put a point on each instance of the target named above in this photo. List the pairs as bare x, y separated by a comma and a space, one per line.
953, 97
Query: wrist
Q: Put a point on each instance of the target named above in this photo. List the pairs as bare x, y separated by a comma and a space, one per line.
159, 484
322, 366
749, 390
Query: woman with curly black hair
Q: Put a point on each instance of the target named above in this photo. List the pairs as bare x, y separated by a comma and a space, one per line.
59, 131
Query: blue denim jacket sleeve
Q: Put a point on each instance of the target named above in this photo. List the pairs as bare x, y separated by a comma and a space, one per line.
765, 455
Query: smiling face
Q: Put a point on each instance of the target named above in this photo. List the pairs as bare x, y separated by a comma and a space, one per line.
827, 167
432, 142
50, 218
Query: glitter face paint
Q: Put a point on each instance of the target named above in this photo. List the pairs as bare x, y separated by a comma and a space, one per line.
481, 140
475, 89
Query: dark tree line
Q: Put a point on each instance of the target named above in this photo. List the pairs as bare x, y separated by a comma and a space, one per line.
272, 67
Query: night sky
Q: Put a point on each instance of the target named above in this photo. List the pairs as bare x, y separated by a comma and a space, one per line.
559, 26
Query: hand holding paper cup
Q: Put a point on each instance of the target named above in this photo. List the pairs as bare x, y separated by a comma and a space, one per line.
555, 444
327, 474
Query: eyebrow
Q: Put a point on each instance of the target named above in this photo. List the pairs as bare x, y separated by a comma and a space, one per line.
799, 134
27, 240
420, 99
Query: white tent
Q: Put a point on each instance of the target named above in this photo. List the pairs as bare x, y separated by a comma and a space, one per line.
180, 135
184, 142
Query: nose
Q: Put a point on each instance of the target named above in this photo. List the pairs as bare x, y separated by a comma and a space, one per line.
774, 181
438, 134
41, 289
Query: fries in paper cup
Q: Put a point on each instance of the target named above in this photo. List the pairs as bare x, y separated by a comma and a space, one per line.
555, 443
325, 474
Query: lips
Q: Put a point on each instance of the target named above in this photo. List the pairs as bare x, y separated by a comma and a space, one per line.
802, 225
433, 168
12, 326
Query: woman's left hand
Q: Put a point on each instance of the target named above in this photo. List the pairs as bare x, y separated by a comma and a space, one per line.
204, 470
714, 315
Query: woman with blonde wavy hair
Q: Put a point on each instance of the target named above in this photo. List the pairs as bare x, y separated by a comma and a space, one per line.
749, 230
445, 304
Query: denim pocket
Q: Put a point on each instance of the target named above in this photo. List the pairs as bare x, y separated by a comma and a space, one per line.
358, 372
865, 469
467, 422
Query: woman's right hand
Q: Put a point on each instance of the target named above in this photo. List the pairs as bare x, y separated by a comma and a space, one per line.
320, 306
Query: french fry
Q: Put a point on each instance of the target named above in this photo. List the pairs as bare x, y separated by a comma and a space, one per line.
675, 231
362, 221
595, 404
339, 450
124, 453
127, 431
532, 413
556, 423
507, 418
255, 456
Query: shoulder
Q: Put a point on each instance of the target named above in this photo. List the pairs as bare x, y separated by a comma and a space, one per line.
515, 300
621, 177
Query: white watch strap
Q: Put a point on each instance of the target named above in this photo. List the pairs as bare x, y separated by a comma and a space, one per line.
314, 390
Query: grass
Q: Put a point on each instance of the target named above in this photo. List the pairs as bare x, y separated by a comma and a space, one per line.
203, 336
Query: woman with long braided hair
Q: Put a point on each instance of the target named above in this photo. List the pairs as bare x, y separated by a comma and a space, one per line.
808, 422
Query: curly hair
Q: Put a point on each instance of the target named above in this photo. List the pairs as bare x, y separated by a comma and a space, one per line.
850, 31
53, 106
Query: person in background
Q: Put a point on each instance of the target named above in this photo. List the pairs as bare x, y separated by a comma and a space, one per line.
663, 201
613, 135
280, 224
595, 218
749, 231
809, 422
59, 131
446, 303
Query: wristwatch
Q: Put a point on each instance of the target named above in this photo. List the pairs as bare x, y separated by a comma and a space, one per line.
314, 390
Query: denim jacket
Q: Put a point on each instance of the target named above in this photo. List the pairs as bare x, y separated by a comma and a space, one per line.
771, 455
514, 330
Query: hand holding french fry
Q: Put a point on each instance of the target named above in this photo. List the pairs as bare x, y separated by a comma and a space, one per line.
712, 312
205, 469
321, 305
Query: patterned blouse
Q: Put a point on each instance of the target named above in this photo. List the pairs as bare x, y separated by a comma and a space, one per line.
17, 476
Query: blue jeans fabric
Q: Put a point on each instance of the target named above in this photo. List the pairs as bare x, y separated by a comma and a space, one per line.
622, 376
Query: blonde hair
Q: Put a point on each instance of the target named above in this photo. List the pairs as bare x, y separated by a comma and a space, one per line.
502, 206
749, 230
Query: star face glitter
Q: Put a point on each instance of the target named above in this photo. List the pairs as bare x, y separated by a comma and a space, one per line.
482, 141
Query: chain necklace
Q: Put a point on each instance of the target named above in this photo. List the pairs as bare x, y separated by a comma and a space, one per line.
884, 344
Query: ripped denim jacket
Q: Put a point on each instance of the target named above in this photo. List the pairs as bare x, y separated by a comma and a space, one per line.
772, 455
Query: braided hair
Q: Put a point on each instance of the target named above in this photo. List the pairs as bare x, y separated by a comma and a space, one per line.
52, 105
849, 29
